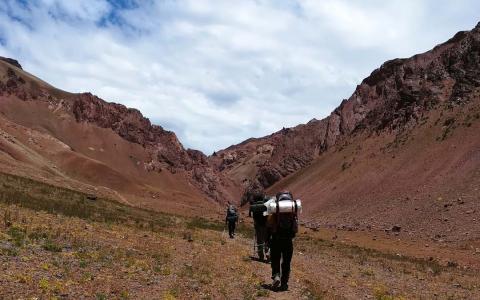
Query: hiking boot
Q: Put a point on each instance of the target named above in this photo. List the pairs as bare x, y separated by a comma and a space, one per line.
276, 281
284, 287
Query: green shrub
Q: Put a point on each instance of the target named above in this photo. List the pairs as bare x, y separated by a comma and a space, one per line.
9, 251
18, 235
124, 295
51, 246
82, 264
44, 284
100, 296
38, 234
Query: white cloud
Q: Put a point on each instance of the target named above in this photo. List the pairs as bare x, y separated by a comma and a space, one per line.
218, 72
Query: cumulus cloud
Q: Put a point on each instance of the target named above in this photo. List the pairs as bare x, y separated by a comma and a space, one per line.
218, 72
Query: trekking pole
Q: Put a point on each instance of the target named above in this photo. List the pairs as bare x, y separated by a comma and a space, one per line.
224, 230
254, 244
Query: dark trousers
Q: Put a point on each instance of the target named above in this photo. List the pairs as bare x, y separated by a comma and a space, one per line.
262, 240
231, 228
281, 250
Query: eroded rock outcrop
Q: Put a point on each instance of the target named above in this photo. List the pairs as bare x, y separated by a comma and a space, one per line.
166, 150
11, 61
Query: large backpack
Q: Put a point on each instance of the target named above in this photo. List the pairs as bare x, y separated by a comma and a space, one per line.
231, 214
258, 208
286, 224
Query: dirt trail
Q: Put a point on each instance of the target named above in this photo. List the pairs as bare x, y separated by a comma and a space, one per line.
336, 270
295, 291
263, 270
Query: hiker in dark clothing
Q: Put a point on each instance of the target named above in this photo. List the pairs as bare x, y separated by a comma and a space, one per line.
282, 228
281, 250
231, 219
260, 224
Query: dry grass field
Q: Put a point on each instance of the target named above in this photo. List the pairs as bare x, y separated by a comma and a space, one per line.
58, 244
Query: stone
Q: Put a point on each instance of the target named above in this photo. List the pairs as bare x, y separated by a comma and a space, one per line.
396, 228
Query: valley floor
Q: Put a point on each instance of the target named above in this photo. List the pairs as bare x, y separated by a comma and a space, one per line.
119, 252
50, 256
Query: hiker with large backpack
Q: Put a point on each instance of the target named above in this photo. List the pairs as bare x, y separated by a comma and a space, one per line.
282, 224
231, 219
257, 209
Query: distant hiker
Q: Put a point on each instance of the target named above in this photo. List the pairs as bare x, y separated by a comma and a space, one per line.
256, 210
231, 219
282, 226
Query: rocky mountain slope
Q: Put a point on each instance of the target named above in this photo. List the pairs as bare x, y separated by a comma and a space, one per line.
83, 141
394, 99
402, 154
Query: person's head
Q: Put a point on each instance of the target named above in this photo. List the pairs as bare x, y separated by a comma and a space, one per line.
258, 197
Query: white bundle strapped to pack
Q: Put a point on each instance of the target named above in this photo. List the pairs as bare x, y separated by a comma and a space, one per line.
285, 206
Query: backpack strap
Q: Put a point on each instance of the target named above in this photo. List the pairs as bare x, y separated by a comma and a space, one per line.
277, 217
294, 215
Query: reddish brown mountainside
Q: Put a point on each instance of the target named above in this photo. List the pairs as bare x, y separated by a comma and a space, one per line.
393, 99
403, 150
83, 139
165, 150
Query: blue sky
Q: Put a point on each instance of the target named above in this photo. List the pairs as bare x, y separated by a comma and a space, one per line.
219, 72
